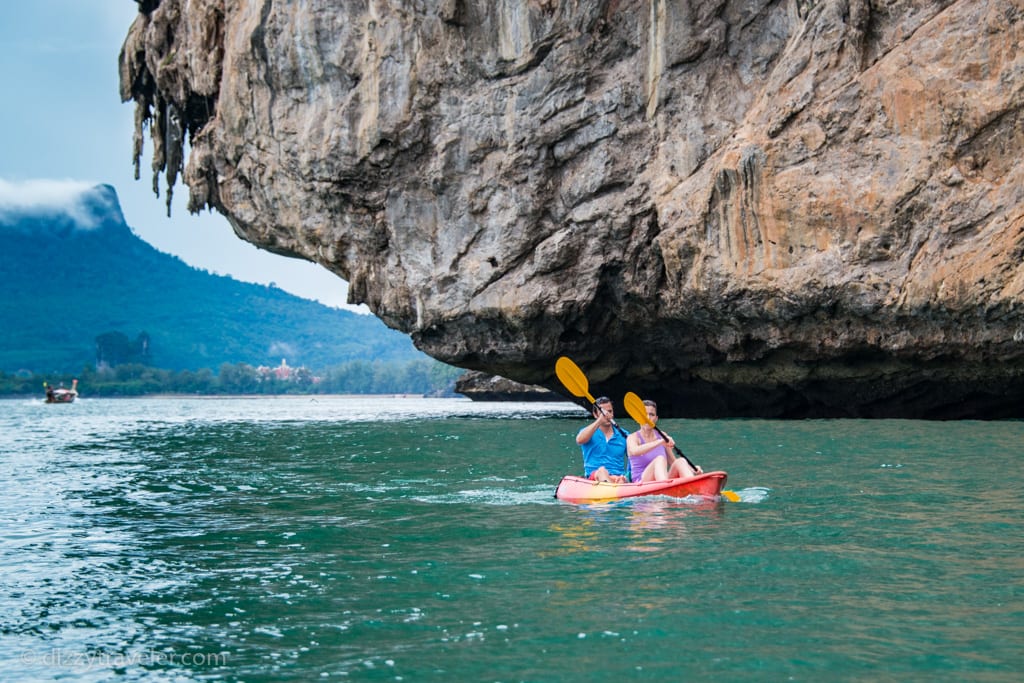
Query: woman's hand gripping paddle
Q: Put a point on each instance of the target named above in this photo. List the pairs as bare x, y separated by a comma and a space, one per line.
638, 411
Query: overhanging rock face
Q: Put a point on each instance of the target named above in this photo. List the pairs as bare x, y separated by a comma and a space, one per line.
789, 208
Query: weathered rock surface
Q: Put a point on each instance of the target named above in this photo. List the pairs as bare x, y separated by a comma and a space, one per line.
737, 207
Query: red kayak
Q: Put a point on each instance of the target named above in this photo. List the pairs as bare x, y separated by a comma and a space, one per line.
581, 490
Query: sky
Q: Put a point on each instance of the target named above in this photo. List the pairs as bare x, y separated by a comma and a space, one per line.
63, 127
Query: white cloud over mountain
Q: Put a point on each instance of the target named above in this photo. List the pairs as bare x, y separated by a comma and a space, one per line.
75, 199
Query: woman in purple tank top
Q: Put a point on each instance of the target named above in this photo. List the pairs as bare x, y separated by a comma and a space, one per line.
650, 455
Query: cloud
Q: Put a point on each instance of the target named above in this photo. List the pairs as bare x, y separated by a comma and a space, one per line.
280, 348
76, 199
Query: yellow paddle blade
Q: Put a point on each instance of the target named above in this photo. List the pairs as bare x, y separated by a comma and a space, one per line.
731, 496
636, 409
572, 378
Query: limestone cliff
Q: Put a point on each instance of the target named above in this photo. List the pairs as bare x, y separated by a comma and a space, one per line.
737, 207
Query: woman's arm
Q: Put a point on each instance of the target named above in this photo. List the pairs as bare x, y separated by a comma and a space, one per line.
635, 448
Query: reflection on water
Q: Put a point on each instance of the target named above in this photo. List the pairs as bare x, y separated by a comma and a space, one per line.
577, 538
659, 521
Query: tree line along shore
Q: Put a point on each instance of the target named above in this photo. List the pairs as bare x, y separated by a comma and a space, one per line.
416, 377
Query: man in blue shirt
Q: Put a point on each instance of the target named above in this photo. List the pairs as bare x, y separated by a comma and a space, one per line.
603, 445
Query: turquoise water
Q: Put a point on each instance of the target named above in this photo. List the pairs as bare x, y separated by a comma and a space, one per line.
410, 539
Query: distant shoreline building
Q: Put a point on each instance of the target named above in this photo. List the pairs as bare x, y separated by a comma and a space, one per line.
287, 373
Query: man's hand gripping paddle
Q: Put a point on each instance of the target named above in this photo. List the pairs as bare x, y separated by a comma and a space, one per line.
573, 379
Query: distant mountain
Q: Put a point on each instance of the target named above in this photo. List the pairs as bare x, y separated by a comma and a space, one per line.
71, 275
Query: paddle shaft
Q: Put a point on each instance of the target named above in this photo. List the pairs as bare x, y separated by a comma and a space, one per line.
676, 449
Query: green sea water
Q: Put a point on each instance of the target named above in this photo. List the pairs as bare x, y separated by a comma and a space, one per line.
370, 539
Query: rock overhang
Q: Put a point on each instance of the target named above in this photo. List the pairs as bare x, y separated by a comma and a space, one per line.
738, 208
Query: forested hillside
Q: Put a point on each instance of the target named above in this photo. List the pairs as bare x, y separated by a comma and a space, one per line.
71, 279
